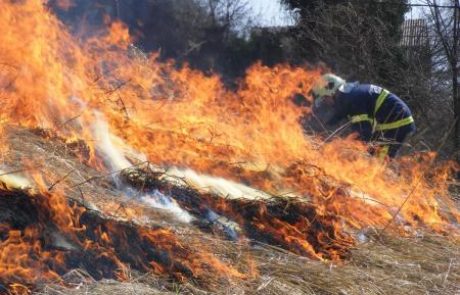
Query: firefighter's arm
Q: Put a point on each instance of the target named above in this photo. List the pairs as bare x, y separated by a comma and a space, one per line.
339, 115
341, 111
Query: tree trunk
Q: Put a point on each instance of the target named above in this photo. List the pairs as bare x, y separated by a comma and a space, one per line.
455, 67
456, 98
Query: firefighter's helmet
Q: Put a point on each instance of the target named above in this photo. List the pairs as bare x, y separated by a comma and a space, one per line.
327, 86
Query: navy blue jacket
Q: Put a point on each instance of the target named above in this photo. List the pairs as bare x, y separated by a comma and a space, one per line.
357, 99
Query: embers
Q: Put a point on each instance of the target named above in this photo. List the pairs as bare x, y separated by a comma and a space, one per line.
292, 225
35, 250
288, 223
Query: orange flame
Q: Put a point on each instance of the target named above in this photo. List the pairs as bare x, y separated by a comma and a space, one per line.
182, 117
28, 256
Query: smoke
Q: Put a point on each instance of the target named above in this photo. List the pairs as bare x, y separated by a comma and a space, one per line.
111, 155
116, 162
214, 185
160, 201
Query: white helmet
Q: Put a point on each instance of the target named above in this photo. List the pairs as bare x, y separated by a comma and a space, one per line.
327, 86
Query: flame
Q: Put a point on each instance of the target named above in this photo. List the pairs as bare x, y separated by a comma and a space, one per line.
28, 254
182, 117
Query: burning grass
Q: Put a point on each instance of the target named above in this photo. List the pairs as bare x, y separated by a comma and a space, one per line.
37, 248
373, 264
291, 223
163, 179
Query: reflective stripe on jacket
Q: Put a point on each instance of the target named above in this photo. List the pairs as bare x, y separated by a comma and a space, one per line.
374, 108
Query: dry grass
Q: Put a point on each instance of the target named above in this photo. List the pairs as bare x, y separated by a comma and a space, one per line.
426, 264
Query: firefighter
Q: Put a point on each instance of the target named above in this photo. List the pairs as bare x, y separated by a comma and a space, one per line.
374, 112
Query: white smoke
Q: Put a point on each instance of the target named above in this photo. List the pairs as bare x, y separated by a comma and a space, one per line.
160, 201
114, 158
110, 154
214, 185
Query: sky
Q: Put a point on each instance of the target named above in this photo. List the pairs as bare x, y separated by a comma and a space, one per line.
416, 12
271, 12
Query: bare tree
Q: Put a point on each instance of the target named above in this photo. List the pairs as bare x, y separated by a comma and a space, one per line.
230, 15
445, 19
358, 39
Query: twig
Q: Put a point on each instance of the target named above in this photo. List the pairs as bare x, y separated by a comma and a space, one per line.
319, 121
278, 249
18, 170
70, 120
83, 200
193, 47
400, 207
60, 180
118, 87
337, 131
107, 174
123, 107
265, 284
444, 281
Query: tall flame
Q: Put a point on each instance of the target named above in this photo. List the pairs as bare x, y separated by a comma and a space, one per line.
181, 117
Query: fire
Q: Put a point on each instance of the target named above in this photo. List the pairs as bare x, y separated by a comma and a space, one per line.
44, 238
181, 117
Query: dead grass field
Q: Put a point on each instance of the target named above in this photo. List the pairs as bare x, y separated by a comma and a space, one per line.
379, 264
